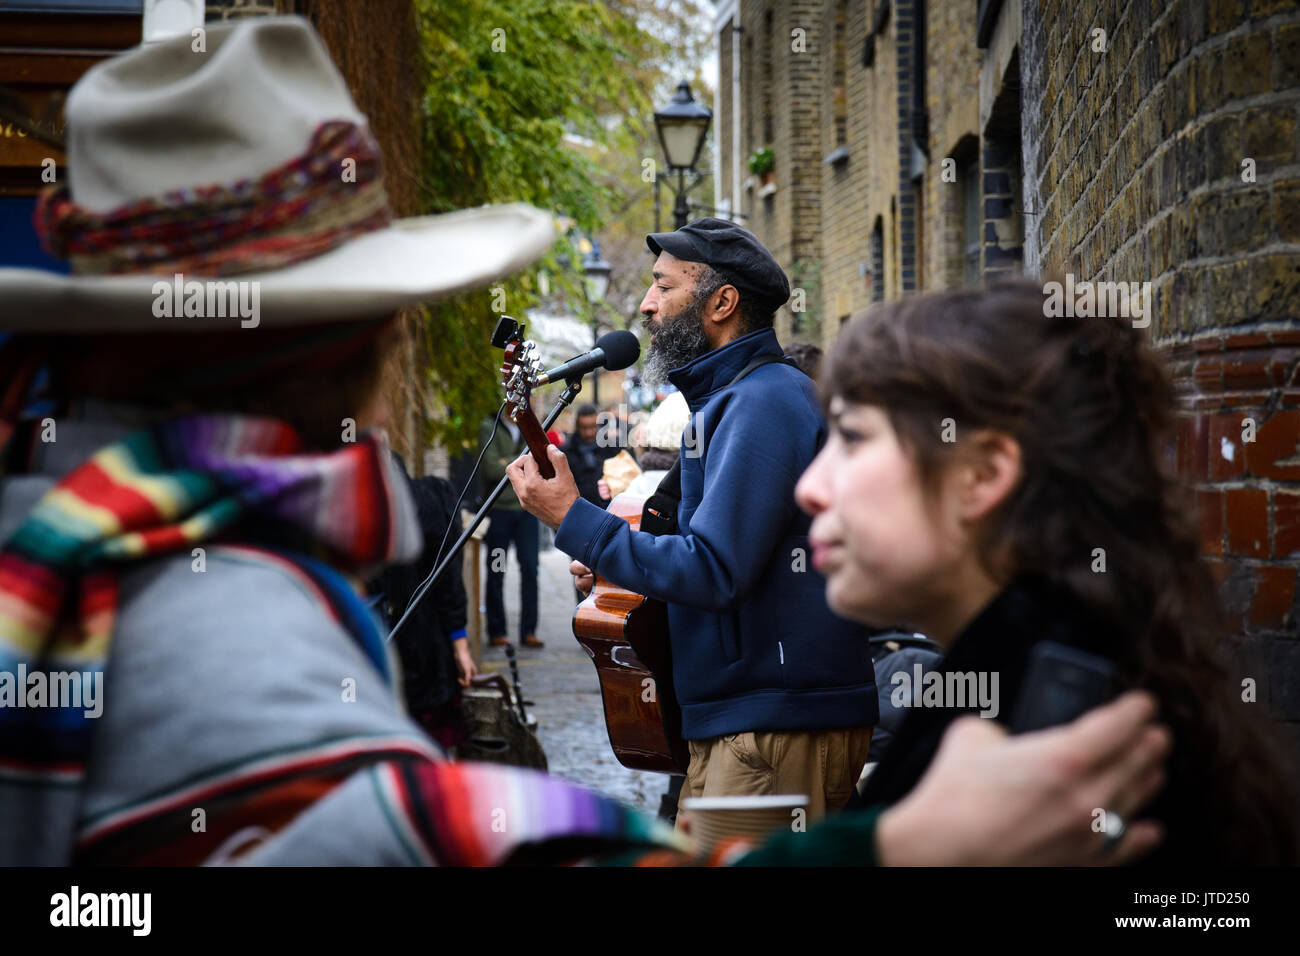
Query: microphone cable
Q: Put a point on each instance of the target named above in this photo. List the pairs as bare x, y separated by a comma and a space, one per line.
452, 521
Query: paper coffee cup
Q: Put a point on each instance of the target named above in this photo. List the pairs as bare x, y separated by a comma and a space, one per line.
713, 819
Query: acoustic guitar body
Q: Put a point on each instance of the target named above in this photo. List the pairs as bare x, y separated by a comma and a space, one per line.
626, 636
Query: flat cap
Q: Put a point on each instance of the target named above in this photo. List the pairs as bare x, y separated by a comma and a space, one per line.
731, 250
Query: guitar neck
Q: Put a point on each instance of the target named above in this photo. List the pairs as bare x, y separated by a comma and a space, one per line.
537, 441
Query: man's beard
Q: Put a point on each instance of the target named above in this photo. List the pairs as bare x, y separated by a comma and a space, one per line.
677, 342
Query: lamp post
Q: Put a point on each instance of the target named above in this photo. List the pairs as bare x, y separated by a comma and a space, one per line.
682, 125
596, 272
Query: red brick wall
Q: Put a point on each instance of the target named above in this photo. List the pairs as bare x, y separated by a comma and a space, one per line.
1238, 442
1134, 168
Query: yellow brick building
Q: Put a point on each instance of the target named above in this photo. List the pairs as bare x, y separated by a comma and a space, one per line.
923, 144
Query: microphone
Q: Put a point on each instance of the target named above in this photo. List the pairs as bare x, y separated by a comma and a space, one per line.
613, 351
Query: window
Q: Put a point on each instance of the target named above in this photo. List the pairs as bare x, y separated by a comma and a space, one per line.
839, 88
918, 208
878, 261
747, 65
1003, 242
969, 176
765, 70
895, 277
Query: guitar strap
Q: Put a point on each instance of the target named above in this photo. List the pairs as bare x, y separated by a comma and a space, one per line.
659, 514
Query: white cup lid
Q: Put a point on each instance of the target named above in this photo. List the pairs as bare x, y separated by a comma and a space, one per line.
745, 803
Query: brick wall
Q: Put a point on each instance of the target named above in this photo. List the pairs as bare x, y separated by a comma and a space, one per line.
845, 199
722, 138
781, 91
1124, 162
905, 35
859, 190
920, 247
808, 68
952, 98
818, 223
1172, 157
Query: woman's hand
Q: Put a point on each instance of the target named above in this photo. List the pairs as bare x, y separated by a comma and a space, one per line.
1031, 800
464, 661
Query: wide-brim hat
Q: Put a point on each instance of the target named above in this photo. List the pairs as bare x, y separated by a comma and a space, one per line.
243, 166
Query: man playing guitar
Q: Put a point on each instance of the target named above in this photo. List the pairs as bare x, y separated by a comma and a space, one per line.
777, 694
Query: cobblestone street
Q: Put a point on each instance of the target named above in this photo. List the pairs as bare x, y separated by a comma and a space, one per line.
559, 682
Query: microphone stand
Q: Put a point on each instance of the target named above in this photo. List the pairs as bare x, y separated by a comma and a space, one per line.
572, 387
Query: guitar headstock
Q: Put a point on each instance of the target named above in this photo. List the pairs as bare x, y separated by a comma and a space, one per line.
519, 373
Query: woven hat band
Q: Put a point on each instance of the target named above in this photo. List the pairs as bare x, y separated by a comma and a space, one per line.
302, 209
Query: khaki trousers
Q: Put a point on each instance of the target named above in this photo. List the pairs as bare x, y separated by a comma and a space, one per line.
824, 764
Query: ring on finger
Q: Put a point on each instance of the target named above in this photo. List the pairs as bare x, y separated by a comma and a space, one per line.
1114, 832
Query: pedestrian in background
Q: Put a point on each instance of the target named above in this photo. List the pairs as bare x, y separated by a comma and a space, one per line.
807, 358
587, 453
433, 646
613, 427
508, 525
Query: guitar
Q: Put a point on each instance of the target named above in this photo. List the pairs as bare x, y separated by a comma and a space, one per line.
519, 373
624, 633
626, 636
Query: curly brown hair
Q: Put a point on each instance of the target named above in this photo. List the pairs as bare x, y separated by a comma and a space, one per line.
1092, 410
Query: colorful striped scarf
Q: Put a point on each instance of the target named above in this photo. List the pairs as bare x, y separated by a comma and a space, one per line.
468, 814
163, 490
234, 480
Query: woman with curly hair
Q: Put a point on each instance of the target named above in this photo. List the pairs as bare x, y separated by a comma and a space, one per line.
996, 478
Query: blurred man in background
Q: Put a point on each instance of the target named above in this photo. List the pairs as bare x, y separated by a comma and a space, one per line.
587, 455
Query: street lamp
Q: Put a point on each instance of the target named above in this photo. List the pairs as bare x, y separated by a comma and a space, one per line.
596, 272
682, 126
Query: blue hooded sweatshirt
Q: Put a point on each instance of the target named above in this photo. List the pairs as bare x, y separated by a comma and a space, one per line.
755, 646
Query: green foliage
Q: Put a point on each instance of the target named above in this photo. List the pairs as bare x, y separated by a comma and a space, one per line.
761, 161
509, 85
676, 38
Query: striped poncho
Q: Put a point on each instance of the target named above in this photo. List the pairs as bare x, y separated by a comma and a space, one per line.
204, 572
